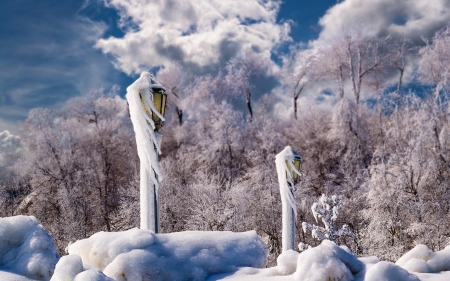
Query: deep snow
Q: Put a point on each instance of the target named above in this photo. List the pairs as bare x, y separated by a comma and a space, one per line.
27, 252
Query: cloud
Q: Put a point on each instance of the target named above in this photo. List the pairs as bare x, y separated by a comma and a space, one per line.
47, 57
9, 145
201, 34
413, 19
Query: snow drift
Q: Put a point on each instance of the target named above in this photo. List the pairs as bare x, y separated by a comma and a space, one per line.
26, 248
139, 254
421, 260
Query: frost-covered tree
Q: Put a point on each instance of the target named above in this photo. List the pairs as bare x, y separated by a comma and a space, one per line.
78, 162
327, 210
176, 81
295, 73
350, 57
434, 67
241, 69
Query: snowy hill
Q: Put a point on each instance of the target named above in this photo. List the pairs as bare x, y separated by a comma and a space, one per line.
27, 252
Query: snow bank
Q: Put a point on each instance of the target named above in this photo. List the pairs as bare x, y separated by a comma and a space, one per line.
26, 248
387, 271
327, 262
139, 253
421, 260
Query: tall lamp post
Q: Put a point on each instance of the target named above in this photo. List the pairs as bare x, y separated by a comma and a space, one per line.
288, 164
147, 102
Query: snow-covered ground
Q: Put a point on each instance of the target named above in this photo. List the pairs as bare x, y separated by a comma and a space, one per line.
27, 252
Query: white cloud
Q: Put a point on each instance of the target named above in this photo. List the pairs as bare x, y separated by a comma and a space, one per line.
9, 144
399, 18
198, 33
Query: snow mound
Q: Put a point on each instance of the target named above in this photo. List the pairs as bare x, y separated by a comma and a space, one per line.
387, 271
67, 268
420, 259
139, 254
417, 265
440, 261
92, 274
26, 248
419, 252
327, 262
103, 247
287, 262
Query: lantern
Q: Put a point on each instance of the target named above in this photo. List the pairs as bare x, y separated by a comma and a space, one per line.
297, 164
159, 101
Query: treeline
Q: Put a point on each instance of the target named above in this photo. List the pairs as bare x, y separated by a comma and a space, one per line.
389, 160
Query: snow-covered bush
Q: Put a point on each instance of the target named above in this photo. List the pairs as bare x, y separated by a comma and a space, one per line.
327, 262
26, 248
327, 209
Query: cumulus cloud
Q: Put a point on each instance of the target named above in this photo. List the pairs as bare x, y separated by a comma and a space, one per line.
9, 144
413, 19
201, 34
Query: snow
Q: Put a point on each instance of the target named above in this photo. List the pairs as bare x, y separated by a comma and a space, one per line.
421, 260
190, 255
327, 262
26, 248
387, 271
28, 253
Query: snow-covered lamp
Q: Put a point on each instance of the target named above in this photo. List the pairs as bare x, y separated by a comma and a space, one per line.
288, 164
147, 101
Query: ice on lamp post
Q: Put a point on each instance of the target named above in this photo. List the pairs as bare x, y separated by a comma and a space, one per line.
288, 168
147, 119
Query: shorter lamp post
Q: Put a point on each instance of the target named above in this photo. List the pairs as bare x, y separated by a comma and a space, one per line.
288, 164
147, 102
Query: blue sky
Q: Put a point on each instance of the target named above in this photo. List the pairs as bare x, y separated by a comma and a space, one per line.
54, 50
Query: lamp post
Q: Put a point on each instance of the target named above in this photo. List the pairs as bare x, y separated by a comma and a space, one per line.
147, 102
288, 164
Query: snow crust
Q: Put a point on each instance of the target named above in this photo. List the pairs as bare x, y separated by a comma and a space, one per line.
26, 248
137, 253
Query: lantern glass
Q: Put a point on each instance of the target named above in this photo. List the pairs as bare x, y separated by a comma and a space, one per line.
159, 101
297, 164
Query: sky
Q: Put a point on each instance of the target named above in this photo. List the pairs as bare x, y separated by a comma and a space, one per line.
54, 50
